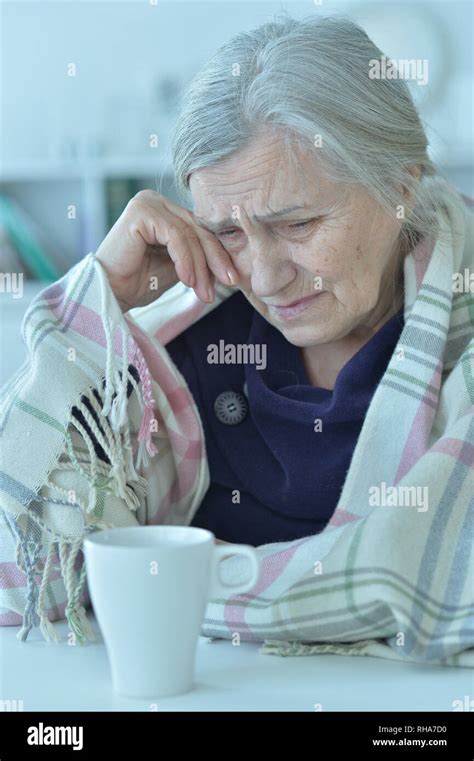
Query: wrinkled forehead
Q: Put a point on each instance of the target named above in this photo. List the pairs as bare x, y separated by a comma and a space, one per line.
263, 176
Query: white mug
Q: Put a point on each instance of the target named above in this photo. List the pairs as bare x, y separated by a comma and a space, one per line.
149, 587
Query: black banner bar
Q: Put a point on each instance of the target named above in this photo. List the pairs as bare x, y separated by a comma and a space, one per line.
133, 735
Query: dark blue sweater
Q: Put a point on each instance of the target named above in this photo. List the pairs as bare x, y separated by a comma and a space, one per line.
277, 475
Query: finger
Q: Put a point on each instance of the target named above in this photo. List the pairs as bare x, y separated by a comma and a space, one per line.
204, 277
191, 267
181, 255
209, 258
218, 259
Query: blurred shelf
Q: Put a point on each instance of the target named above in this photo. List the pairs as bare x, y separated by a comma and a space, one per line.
99, 169
75, 202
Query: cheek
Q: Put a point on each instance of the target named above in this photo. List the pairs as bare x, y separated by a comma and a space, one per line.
357, 288
345, 269
324, 255
244, 271
241, 260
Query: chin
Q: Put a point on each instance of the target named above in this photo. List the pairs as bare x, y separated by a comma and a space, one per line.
305, 336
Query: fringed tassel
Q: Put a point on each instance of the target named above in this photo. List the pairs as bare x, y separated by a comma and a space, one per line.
115, 408
92, 500
30, 620
47, 629
109, 364
84, 625
119, 452
116, 443
75, 611
27, 563
118, 412
146, 447
114, 450
129, 457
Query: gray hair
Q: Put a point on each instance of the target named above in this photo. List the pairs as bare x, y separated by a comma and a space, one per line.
305, 78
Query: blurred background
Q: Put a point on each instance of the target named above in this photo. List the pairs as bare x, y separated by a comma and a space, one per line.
89, 93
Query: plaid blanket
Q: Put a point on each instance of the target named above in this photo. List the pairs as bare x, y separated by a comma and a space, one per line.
99, 429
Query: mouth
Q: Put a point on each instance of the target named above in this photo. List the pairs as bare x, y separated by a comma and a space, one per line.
295, 309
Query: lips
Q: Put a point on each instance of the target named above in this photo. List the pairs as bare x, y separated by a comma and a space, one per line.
294, 303
293, 310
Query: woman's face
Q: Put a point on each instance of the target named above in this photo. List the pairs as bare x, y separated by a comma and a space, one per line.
315, 258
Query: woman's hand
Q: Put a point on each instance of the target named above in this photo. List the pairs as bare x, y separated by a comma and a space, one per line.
154, 244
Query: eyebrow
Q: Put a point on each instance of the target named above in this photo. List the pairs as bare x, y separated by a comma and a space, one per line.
232, 221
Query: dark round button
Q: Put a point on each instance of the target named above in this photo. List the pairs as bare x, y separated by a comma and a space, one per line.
230, 407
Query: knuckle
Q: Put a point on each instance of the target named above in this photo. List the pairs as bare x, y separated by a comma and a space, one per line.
146, 195
192, 235
187, 214
143, 197
175, 229
203, 235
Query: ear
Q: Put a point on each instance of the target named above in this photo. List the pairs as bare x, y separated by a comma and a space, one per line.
414, 171
409, 189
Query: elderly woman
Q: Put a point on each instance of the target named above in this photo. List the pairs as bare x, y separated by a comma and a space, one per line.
314, 395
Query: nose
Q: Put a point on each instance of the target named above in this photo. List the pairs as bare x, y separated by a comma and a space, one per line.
271, 268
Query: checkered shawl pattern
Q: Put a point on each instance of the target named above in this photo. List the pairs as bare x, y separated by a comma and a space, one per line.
388, 578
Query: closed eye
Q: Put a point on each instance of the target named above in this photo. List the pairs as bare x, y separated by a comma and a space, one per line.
229, 232
293, 226
298, 225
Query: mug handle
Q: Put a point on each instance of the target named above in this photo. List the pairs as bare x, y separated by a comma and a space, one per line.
217, 585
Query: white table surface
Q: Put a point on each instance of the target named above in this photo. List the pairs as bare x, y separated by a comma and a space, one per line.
48, 677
